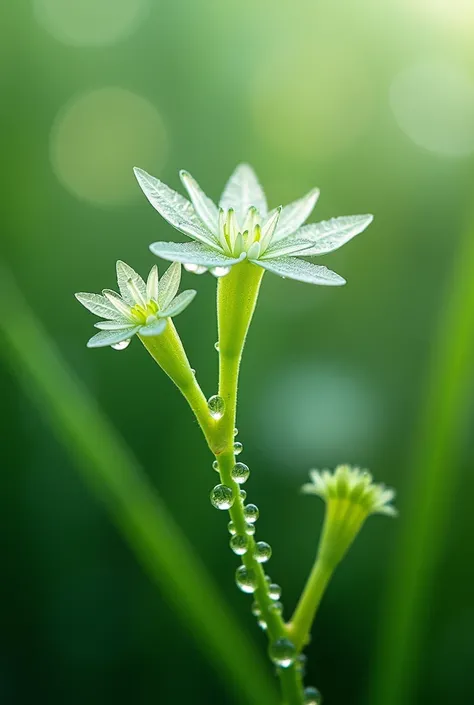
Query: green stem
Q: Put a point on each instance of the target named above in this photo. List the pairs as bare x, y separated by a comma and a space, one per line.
236, 300
300, 626
112, 473
435, 467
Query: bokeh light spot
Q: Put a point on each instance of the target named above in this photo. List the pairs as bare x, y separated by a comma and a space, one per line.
433, 103
99, 137
319, 414
89, 22
311, 100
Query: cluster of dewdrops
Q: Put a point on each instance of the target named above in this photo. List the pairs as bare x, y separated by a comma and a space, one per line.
282, 652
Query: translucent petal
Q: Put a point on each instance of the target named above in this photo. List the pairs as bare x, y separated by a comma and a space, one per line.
112, 325
243, 191
174, 208
193, 253
98, 305
268, 229
179, 303
152, 284
204, 207
131, 285
154, 328
106, 338
301, 271
118, 302
169, 285
288, 246
331, 234
295, 214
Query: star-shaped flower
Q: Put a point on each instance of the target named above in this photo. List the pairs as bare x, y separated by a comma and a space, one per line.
141, 308
242, 228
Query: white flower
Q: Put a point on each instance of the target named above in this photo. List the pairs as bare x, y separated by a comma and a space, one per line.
141, 308
242, 228
353, 486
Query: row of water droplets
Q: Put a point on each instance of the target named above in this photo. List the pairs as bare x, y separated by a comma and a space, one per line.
200, 269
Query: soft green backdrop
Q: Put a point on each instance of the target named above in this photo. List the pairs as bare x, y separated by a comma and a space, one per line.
373, 103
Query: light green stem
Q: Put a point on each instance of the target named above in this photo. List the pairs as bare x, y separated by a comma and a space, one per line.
300, 626
113, 474
433, 476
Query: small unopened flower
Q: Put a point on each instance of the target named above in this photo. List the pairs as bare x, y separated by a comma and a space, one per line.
350, 496
141, 307
242, 228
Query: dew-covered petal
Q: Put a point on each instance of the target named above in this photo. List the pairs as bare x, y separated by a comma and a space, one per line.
98, 305
179, 303
331, 234
112, 325
294, 215
110, 337
131, 285
243, 191
117, 301
302, 271
152, 284
169, 285
154, 328
204, 207
174, 208
288, 246
193, 253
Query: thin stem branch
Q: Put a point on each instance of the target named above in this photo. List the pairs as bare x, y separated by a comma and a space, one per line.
300, 625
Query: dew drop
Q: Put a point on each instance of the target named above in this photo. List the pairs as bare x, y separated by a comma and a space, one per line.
216, 345
276, 608
262, 623
238, 448
274, 591
193, 371
216, 406
312, 696
236, 431
220, 271
239, 544
195, 268
263, 551
246, 579
240, 473
243, 495
250, 529
122, 345
251, 513
256, 611
222, 497
215, 466
231, 528
282, 652
301, 664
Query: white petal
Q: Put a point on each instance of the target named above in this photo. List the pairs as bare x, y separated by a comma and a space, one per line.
154, 328
331, 234
152, 284
98, 305
243, 191
112, 325
131, 285
179, 303
193, 253
204, 207
118, 302
288, 246
301, 271
268, 229
106, 338
176, 209
169, 285
295, 214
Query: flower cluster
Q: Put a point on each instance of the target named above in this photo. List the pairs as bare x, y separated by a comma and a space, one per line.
242, 228
142, 308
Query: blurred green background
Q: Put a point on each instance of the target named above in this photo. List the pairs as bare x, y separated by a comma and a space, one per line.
373, 103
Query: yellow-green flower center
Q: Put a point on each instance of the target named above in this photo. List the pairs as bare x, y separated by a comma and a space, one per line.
142, 314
